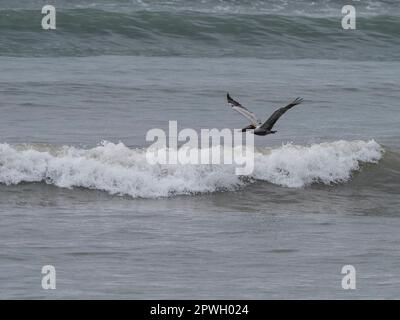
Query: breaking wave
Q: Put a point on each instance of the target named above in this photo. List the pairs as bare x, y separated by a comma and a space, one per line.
117, 169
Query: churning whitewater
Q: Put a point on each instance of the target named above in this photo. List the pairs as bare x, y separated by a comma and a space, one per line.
117, 169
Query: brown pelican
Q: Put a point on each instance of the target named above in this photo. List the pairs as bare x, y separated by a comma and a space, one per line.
261, 129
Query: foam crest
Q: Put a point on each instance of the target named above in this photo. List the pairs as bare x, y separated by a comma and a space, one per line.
117, 169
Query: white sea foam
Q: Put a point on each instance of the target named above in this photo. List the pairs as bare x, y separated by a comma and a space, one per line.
118, 169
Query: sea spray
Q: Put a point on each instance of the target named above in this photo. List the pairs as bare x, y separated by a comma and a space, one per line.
117, 169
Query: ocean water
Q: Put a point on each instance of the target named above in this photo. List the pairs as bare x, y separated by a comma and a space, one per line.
76, 191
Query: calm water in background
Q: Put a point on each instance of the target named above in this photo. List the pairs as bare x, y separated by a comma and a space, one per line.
263, 240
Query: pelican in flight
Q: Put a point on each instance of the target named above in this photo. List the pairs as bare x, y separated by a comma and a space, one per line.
261, 129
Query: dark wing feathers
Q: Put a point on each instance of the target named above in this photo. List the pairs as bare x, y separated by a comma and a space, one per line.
243, 111
233, 102
267, 125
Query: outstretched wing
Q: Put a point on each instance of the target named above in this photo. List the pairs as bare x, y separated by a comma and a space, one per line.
267, 125
243, 111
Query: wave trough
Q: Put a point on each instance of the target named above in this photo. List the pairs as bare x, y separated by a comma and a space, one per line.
117, 169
